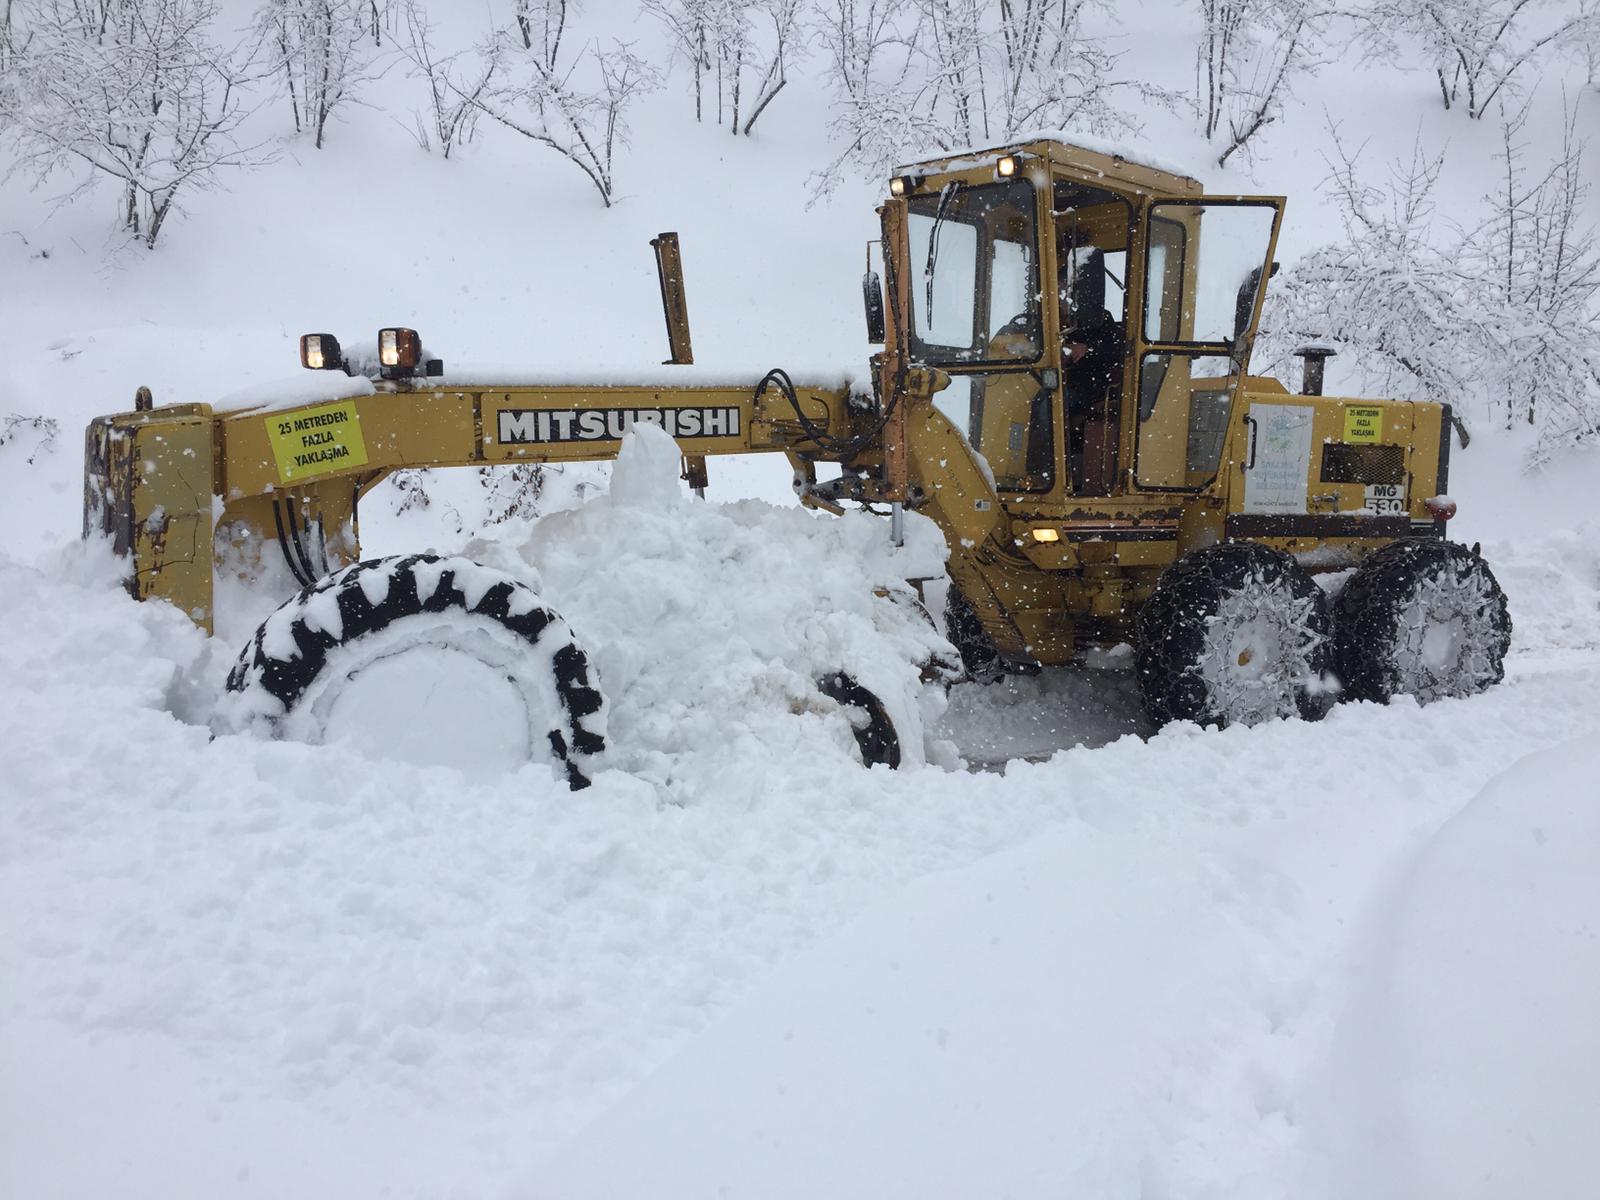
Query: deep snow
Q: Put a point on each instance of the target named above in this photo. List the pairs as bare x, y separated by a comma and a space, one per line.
1350, 959
273, 969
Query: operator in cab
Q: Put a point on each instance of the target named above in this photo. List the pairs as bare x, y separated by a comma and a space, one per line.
1092, 350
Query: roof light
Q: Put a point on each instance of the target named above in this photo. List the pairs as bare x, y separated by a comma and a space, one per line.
900, 185
1006, 167
399, 349
320, 352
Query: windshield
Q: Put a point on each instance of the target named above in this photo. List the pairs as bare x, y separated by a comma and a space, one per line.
975, 275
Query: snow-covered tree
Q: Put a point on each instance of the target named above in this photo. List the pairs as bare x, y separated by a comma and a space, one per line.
1476, 48
1589, 42
319, 47
732, 42
1248, 55
1496, 320
8, 54
876, 78
133, 89
910, 74
574, 103
1383, 291
1540, 267
6, 29
455, 82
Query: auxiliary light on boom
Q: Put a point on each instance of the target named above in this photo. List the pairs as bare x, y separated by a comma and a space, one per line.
320, 352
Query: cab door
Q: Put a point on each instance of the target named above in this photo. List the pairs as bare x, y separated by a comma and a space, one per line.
1204, 271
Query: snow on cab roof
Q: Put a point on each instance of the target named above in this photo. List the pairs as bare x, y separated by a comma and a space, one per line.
1131, 152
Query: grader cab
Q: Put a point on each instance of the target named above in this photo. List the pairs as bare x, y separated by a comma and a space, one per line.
1064, 388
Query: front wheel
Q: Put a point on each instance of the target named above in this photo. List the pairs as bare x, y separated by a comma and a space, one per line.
425, 659
874, 730
1235, 634
1423, 618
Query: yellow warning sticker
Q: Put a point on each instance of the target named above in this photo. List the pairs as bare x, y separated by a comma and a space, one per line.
1363, 423
317, 441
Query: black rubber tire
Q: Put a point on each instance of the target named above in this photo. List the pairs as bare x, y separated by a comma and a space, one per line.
1235, 634
291, 650
979, 659
1400, 594
875, 734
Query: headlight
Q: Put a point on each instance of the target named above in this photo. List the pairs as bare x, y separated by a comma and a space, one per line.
320, 352
1006, 167
399, 348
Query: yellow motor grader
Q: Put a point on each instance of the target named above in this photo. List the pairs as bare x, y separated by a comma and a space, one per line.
1064, 388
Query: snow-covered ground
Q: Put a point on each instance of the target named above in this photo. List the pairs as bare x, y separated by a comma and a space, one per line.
1354, 958
1070, 957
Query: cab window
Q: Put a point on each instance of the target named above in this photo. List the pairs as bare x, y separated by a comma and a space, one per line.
974, 275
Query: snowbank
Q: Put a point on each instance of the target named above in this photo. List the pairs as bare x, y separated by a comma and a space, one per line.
1465, 1067
709, 624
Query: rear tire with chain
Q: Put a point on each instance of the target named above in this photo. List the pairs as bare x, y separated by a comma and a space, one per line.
1235, 634
1423, 618
302, 672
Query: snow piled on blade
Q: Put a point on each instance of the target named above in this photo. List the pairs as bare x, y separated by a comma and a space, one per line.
710, 624
290, 391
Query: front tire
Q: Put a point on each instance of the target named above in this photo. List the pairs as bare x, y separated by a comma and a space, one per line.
875, 735
1235, 634
980, 661
1423, 618
333, 661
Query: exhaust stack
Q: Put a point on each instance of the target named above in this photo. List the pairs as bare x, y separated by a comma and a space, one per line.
1312, 359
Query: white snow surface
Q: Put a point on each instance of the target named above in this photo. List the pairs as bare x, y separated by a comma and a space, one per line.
288, 391
1164, 967
1238, 1023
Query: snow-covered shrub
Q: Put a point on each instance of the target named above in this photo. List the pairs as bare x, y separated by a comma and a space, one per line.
730, 42
319, 47
574, 103
1477, 48
132, 89
512, 491
456, 83
37, 433
908, 74
1248, 55
1497, 319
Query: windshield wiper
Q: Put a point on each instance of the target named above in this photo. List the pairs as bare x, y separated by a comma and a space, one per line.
946, 197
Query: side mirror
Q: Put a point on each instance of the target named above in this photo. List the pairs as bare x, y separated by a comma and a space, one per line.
1244, 303
872, 300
